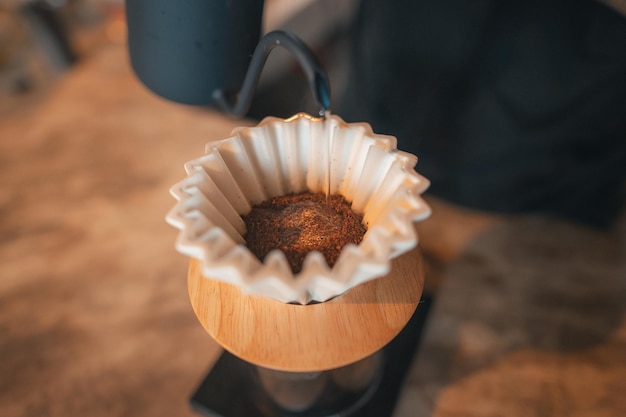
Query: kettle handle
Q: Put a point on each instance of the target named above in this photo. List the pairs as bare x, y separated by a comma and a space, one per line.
237, 104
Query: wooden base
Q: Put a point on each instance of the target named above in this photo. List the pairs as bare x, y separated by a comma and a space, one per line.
231, 378
309, 338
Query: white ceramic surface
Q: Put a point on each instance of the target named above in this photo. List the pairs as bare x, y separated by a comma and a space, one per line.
279, 157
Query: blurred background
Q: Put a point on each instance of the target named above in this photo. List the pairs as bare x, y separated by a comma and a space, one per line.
517, 113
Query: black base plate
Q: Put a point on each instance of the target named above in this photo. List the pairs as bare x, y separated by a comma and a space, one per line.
232, 389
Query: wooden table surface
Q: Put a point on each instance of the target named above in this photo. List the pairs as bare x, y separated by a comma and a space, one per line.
95, 319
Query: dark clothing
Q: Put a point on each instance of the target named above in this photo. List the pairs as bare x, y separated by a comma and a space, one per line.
510, 106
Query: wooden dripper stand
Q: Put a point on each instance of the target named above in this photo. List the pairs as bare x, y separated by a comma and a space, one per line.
302, 352
321, 357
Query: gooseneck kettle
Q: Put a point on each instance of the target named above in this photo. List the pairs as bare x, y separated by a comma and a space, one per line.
211, 52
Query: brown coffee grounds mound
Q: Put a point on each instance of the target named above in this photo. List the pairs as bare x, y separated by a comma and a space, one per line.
301, 223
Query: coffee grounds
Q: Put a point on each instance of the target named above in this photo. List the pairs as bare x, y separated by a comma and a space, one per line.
301, 223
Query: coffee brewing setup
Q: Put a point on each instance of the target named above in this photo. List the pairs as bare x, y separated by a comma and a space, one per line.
325, 340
